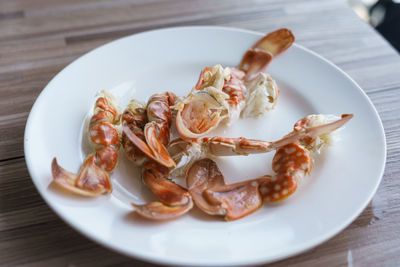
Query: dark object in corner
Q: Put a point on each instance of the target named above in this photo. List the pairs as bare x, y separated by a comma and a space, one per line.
390, 25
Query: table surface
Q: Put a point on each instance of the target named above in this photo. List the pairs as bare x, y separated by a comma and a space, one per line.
40, 37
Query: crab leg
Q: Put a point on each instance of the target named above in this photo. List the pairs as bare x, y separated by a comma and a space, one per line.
293, 161
93, 177
186, 152
222, 146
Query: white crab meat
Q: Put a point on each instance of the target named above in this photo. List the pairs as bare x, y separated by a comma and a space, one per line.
262, 95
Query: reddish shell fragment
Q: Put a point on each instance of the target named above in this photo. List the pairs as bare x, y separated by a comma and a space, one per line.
201, 175
200, 81
157, 144
158, 110
290, 162
103, 104
160, 212
155, 178
195, 119
235, 87
135, 120
100, 116
105, 134
275, 42
164, 158
291, 158
278, 187
107, 158
255, 61
239, 199
91, 180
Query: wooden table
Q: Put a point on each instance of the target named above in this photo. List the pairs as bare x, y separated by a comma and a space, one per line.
40, 37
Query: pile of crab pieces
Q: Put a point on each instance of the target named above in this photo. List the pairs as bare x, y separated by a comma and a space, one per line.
221, 95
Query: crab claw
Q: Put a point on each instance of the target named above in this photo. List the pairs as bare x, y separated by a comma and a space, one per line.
254, 61
305, 131
90, 181
325, 128
237, 200
204, 174
160, 212
154, 148
155, 178
275, 42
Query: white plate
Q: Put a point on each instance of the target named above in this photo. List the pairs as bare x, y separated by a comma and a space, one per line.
343, 181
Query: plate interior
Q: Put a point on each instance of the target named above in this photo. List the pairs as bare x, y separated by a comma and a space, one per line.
343, 180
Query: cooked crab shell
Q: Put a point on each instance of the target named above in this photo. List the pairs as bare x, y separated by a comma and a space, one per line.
201, 112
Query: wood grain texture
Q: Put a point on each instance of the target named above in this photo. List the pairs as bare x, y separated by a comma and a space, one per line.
40, 37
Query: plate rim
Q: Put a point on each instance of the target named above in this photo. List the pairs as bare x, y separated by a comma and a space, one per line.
144, 257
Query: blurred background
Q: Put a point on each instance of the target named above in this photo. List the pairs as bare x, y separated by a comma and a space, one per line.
383, 15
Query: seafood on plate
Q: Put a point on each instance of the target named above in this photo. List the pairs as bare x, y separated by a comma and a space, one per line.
146, 133
174, 200
292, 161
148, 129
93, 178
222, 94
